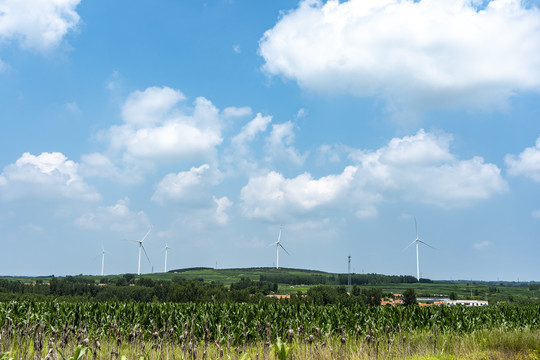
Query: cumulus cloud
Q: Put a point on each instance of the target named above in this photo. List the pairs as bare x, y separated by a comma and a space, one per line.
38, 25
155, 128
186, 186
414, 54
117, 217
421, 168
279, 145
272, 196
48, 175
149, 107
418, 168
527, 163
240, 157
233, 111
250, 130
222, 205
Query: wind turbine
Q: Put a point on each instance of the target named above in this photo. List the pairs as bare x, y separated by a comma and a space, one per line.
142, 247
416, 241
103, 252
278, 245
167, 247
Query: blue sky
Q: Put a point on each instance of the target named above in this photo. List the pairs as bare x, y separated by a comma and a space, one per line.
219, 121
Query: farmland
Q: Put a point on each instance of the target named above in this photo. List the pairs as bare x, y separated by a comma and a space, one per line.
262, 331
223, 314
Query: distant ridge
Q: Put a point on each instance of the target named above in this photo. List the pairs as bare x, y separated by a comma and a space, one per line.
281, 269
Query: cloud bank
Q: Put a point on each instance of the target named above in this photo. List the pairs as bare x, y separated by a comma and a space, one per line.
417, 168
413, 54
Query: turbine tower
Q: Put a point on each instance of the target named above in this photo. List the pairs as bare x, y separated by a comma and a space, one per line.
141, 247
103, 252
349, 273
416, 241
167, 247
278, 245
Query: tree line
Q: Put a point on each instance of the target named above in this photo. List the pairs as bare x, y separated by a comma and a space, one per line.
181, 290
340, 279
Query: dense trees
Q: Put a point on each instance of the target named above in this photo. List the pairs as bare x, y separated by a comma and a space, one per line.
409, 297
179, 289
341, 279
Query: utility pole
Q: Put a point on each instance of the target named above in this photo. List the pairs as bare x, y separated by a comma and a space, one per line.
349, 272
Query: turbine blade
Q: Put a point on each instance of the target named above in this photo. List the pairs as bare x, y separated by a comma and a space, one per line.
409, 245
146, 254
151, 227
284, 249
426, 244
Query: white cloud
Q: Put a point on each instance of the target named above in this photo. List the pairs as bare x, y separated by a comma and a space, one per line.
240, 156
272, 196
117, 217
482, 245
421, 168
98, 165
327, 153
233, 111
149, 107
527, 163
48, 175
156, 129
250, 130
222, 205
40, 24
414, 54
279, 145
418, 168
186, 186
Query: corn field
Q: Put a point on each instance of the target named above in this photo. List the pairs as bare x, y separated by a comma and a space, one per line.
57, 330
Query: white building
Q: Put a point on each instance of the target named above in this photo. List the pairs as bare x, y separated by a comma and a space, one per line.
467, 302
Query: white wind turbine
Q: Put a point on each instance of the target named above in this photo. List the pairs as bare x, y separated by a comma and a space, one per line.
143, 249
416, 241
103, 252
278, 245
167, 247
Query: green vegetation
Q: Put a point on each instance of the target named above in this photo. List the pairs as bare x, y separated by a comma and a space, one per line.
265, 331
289, 281
224, 314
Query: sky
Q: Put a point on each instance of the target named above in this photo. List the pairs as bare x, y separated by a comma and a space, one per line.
217, 122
